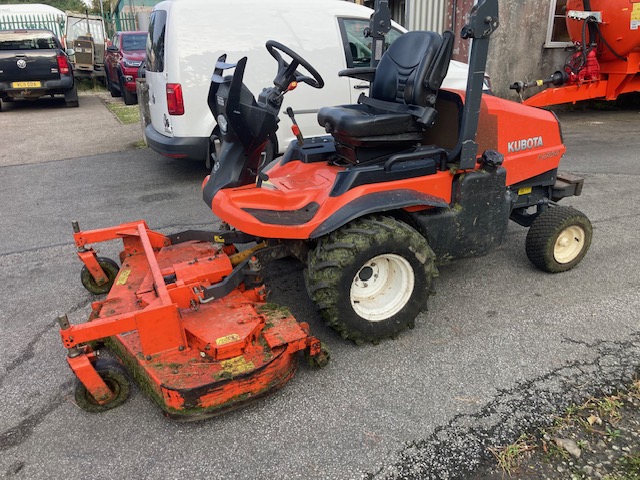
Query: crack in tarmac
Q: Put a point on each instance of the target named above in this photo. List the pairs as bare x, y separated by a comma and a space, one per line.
457, 449
28, 352
17, 435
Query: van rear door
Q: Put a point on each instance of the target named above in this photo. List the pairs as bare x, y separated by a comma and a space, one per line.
155, 73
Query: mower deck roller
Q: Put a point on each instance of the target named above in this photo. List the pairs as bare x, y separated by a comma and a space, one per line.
188, 319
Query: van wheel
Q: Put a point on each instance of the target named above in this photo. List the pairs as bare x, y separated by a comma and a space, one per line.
370, 278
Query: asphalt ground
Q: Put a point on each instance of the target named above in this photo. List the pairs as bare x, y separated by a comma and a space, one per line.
501, 348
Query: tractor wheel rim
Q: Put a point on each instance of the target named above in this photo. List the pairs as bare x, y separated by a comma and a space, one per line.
569, 244
382, 287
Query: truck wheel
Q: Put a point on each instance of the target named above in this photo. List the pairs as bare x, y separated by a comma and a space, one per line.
558, 239
71, 97
370, 278
110, 268
115, 377
128, 97
113, 90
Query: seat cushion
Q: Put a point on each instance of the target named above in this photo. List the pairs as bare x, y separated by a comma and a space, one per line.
364, 121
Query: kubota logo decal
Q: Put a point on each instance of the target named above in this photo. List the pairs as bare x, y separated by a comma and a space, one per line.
524, 144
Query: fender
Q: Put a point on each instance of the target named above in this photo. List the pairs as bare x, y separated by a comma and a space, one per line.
375, 203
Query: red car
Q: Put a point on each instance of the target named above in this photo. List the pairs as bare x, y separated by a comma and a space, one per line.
122, 60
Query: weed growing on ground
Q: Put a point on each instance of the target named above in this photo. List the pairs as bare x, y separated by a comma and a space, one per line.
510, 456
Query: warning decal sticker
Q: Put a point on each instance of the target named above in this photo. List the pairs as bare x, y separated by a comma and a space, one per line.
635, 16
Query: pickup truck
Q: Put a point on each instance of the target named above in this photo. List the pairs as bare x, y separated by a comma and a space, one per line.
33, 64
121, 62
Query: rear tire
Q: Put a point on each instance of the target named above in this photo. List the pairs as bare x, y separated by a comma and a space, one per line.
128, 97
558, 239
71, 97
113, 90
370, 278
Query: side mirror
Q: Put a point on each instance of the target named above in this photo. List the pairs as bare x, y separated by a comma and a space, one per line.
70, 51
112, 49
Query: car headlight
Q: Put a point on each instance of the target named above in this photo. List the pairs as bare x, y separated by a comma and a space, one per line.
132, 63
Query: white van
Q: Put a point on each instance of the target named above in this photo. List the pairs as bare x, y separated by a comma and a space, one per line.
187, 36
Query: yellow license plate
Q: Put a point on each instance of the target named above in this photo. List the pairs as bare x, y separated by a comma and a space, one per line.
26, 84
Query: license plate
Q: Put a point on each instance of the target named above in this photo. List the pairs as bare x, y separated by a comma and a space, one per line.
26, 84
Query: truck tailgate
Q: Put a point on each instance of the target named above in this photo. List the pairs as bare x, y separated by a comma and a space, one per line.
32, 66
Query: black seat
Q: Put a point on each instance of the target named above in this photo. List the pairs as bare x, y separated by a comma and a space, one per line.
403, 94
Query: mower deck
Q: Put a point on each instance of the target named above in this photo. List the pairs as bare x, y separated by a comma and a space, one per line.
193, 356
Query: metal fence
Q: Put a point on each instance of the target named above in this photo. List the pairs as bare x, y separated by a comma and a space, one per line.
14, 21
56, 23
122, 22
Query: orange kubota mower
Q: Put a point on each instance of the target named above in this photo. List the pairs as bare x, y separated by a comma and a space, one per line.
410, 177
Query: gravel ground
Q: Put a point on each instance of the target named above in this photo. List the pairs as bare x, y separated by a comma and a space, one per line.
597, 439
462, 448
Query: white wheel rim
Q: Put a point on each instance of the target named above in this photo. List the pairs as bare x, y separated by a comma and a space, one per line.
569, 244
382, 287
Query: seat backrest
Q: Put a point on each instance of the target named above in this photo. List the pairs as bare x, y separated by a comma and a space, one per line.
412, 69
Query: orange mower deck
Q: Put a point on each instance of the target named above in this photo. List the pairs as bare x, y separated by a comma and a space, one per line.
195, 350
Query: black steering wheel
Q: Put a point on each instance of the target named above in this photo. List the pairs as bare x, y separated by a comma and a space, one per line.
287, 72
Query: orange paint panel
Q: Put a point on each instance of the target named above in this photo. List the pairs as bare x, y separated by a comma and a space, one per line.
229, 203
89, 377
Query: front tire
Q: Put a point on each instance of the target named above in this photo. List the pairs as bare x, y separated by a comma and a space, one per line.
115, 378
110, 268
370, 278
558, 239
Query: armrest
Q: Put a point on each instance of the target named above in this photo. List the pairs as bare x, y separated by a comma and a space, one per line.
361, 73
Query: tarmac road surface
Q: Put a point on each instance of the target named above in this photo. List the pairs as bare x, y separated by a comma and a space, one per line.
502, 347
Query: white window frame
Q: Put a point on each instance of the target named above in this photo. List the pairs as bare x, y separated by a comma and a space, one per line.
549, 43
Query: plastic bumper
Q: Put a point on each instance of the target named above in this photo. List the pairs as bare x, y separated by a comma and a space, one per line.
193, 148
48, 87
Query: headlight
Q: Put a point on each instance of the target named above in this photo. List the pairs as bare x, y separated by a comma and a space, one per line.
132, 63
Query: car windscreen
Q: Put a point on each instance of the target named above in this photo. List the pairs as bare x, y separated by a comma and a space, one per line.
28, 40
155, 41
131, 43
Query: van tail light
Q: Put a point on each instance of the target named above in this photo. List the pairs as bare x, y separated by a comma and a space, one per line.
175, 102
63, 65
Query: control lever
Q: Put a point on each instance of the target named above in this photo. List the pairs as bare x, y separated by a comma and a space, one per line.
294, 128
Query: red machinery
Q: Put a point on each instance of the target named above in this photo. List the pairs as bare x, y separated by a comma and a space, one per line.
409, 178
606, 63
186, 314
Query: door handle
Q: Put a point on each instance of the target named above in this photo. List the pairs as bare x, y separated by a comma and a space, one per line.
361, 86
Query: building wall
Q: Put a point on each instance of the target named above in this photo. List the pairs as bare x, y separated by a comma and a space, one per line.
517, 49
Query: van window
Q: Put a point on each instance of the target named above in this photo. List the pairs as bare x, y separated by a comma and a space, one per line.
155, 41
357, 48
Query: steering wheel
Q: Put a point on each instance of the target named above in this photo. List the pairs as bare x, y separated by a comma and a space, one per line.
287, 71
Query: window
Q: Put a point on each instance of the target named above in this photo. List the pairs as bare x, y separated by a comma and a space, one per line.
155, 41
131, 43
557, 34
357, 46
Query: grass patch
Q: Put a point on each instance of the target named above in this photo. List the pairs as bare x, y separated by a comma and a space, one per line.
91, 85
127, 114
